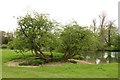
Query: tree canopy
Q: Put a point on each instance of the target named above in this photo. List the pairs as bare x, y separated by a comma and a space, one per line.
35, 33
38, 33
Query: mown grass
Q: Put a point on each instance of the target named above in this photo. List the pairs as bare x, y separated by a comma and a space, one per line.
67, 70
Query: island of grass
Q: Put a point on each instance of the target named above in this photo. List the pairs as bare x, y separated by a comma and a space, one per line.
66, 70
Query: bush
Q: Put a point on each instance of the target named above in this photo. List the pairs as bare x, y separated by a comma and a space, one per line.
25, 63
32, 62
4, 46
78, 57
36, 62
10, 45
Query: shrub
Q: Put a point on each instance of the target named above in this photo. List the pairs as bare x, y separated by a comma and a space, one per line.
36, 62
4, 46
10, 45
78, 57
31, 62
25, 63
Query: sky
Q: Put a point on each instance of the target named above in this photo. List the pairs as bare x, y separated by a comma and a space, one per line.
63, 11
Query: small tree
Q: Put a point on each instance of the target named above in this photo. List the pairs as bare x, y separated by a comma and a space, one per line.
35, 33
74, 39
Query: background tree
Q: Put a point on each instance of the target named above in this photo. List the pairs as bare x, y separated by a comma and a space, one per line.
102, 26
6, 37
0, 38
116, 42
94, 26
111, 33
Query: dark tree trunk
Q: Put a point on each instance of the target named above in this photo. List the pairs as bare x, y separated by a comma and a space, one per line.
67, 55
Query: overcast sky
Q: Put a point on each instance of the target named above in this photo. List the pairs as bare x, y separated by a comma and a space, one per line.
63, 11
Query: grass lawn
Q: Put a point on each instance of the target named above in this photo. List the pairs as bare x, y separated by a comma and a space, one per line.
67, 70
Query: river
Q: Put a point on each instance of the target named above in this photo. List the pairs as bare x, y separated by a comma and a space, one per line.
101, 57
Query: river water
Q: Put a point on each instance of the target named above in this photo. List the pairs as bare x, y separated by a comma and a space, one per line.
101, 57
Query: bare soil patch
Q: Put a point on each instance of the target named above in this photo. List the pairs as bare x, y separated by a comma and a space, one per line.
80, 61
17, 62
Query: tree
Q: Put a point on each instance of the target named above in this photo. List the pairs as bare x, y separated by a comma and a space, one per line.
116, 42
6, 37
35, 33
111, 33
102, 26
0, 38
94, 26
74, 39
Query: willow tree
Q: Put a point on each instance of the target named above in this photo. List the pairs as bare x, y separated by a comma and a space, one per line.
35, 33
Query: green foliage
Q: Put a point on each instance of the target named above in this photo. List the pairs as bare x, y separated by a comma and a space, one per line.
117, 42
55, 54
118, 45
35, 33
75, 38
79, 57
20, 43
111, 37
4, 46
11, 45
31, 62
6, 37
38, 33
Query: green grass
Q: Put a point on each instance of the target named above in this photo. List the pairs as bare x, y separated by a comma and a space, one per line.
66, 70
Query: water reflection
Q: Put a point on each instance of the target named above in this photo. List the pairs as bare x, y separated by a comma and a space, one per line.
97, 61
101, 57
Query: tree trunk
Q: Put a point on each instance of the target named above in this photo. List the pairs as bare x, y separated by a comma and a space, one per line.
67, 55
